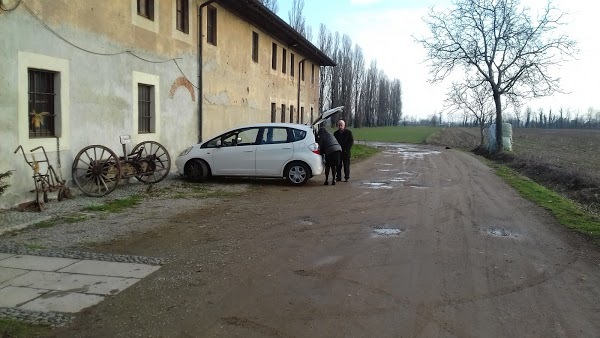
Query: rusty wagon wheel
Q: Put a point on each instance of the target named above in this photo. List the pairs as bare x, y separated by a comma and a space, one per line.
154, 162
96, 170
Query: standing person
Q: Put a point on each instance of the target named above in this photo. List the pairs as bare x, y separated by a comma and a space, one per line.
331, 149
345, 139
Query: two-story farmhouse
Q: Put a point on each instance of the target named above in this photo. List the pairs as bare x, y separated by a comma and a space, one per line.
76, 73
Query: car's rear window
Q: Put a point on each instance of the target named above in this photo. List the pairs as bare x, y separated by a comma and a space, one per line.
297, 134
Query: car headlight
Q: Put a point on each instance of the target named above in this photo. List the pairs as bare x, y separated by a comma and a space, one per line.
185, 152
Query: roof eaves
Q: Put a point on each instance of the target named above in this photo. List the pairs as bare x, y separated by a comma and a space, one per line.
259, 15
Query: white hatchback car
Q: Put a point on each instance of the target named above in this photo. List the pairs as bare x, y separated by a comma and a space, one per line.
261, 150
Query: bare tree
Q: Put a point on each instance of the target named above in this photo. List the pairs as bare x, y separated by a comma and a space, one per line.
335, 72
518, 115
345, 66
383, 100
396, 102
475, 101
296, 17
325, 45
358, 72
369, 94
270, 4
497, 41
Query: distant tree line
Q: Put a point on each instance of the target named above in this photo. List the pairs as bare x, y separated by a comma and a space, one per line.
369, 96
550, 119
561, 119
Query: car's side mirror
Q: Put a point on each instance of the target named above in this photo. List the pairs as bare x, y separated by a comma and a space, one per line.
218, 143
238, 140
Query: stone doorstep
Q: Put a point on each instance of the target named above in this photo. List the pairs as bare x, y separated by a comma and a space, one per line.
85, 267
49, 284
5, 255
114, 269
38, 263
46, 301
61, 301
7, 274
68, 282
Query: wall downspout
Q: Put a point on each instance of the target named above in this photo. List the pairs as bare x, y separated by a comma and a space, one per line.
200, 46
300, 64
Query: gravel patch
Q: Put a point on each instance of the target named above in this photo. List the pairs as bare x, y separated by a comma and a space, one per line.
67, 224
54, 319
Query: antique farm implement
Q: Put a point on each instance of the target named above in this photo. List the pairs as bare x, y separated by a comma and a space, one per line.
44, 177
97, 170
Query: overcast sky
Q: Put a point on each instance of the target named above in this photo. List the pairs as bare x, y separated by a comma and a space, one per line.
385, 29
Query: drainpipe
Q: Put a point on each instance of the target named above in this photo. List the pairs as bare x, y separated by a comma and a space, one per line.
300, 64
200, 44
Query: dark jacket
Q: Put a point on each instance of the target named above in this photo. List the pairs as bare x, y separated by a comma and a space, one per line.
345, 139
327, 143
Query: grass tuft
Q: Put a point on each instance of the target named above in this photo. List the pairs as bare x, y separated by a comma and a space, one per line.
46, 224
118, 205
34, 246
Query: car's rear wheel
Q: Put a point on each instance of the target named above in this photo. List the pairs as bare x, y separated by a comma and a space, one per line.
297, 173
196, 170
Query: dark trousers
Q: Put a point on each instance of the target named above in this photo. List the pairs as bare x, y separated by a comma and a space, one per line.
332, 162
346, 164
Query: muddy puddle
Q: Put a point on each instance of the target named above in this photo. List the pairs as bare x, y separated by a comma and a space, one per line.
307, 220
500, 232
378, 185
386, 231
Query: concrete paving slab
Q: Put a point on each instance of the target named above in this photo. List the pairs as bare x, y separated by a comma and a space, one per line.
37, 262
5, 255
90, 284
61, 301
115, 269
7, 274
13, 296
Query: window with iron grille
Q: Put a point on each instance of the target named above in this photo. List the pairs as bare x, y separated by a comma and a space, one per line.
302, 115
41, 109
301, 70
284, 60
254, 46
283, 113
292, 64
145, 108
182, 16
312, 74
291, 114
211, 25
145, 8
274, 57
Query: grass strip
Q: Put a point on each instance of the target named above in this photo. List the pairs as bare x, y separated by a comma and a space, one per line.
566, 212
399, 134
14, 328
117, 205
361, 152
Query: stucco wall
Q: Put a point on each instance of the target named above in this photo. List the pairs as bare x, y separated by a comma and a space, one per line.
238, 90
98, 102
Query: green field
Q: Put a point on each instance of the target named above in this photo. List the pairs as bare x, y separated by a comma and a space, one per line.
400, 134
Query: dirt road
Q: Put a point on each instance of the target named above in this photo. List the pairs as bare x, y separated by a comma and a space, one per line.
420, 243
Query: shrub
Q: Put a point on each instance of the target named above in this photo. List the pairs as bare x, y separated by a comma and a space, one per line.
3, 176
